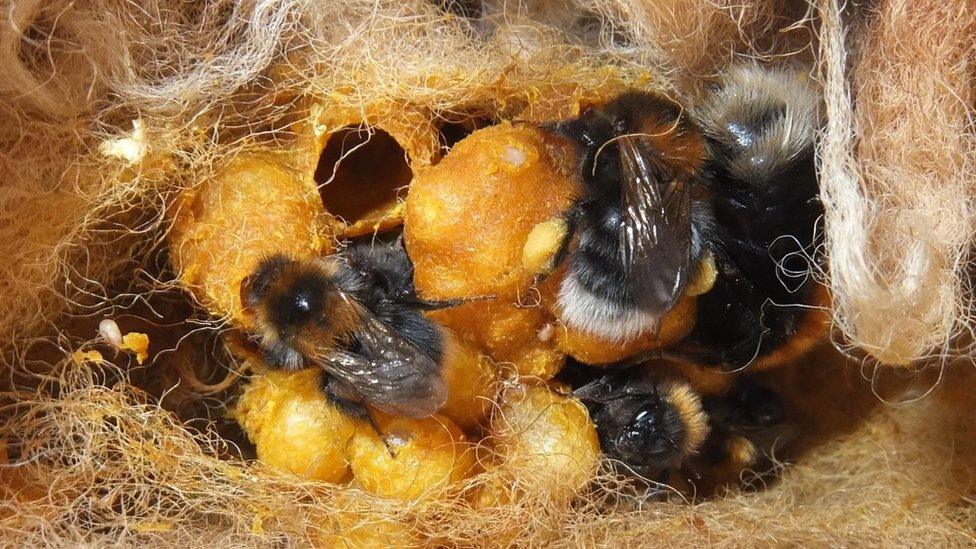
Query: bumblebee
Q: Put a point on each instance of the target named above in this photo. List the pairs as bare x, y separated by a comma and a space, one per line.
663, 186
663, 431
356, 316
646, 426
639, 223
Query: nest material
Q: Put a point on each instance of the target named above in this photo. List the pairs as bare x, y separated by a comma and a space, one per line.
109, 452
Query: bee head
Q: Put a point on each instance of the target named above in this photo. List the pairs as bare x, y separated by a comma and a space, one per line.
290, 301
653, 435
592, 128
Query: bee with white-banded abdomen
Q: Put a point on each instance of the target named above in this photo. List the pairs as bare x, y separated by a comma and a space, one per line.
663, 187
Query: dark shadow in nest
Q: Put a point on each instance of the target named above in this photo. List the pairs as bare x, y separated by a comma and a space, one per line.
454, 128
828, 396
823, 398
360, 172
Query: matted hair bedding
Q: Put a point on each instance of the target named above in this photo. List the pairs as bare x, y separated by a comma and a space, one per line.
110, 109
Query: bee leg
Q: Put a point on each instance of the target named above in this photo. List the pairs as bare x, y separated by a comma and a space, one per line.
436, 304
651, 484
660, 488
343, 398
349, 403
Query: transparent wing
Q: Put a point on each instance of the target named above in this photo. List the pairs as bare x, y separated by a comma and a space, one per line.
655, 236
391, 373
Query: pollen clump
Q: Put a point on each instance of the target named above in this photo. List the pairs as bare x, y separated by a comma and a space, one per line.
137, 344
543, 244
410, 459
294, 427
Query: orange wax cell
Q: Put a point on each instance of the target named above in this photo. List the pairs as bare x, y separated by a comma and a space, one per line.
545, 443
471, 380
508, 334
468, 218
294, 427
410, 459
253, 206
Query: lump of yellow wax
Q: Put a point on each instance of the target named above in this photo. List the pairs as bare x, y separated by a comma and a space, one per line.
138, 344
471, 380
545, 446
410, 459
294, 427
508, 333
468, 217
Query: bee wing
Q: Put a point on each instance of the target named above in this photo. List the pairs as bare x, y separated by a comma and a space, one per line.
392, 374
610, 387
655, 235
600, 390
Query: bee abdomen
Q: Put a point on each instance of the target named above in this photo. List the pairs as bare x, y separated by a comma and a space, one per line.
760, 122
595, 296
598, 267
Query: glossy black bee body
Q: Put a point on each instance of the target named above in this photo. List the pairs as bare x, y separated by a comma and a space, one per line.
646, 426
764, 307
356, 315
662, 188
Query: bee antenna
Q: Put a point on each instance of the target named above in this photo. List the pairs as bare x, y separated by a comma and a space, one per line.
376, 427
437, 304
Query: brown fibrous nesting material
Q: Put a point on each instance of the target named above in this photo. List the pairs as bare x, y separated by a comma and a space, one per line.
897, 172
99, 452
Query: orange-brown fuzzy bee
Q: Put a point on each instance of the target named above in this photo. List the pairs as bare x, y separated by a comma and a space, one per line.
356, 315
647, 426
662, 186
661, 430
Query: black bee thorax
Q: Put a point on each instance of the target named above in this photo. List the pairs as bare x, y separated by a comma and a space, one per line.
382, 281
